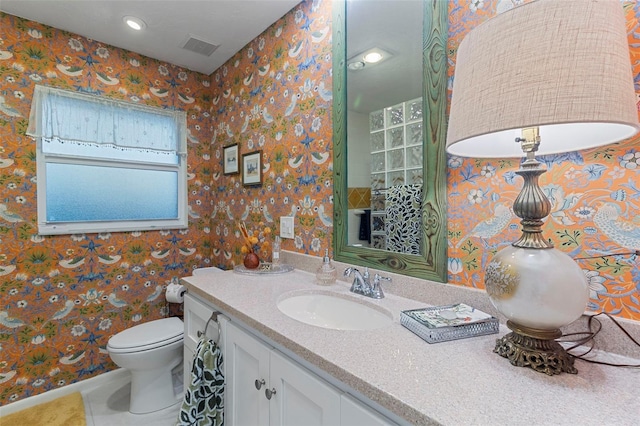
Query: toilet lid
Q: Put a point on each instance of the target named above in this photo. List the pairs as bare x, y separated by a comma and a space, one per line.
151, 333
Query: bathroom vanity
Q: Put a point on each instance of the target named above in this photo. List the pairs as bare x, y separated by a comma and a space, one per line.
279, 370
263, 385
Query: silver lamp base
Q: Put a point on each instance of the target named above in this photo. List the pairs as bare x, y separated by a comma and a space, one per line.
536, 349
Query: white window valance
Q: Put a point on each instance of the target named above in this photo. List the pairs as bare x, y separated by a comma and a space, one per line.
81, 118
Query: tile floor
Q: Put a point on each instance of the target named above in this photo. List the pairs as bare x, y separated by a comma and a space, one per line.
106, 401
108, 404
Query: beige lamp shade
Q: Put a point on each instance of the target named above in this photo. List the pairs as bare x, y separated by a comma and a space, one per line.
561, 65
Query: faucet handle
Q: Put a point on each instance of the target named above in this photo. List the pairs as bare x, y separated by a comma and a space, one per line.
365, 275
378, 277
349, 270
376, 288
355, 287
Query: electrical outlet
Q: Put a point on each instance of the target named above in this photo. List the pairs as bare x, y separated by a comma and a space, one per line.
286, 227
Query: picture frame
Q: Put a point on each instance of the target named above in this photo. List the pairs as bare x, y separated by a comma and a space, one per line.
252, 168
230, 158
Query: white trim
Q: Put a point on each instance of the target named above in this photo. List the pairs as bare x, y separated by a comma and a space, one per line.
72, 228
60, 228
82, 386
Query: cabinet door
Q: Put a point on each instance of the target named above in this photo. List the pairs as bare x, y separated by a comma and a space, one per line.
355, 413
246, 360
196, 315
301, 398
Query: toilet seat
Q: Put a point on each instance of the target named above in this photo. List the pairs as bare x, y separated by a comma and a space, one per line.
147, 336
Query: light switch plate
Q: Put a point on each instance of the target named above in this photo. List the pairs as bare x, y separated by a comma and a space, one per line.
286, 227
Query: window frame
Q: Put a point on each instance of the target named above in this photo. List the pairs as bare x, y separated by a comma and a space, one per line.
85, 227
102, 226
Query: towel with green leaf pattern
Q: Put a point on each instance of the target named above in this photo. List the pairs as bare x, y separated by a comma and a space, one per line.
203, 403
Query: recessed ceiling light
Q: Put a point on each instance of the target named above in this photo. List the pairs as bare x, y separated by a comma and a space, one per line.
135, 23
372, 57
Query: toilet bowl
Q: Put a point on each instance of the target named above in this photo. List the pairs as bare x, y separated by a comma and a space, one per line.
150, 351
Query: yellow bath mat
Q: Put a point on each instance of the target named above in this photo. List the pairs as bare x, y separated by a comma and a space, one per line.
67, 410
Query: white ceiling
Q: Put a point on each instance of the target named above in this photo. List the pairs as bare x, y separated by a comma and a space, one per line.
231, 24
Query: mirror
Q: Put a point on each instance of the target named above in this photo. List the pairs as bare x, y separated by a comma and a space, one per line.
368, 157
384, 124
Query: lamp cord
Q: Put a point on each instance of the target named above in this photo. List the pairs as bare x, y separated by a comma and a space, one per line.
591, 334
626, 253
589, 338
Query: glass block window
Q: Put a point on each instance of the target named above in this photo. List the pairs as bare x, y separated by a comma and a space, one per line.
396, 157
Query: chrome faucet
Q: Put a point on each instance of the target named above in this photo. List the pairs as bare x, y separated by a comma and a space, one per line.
361, 284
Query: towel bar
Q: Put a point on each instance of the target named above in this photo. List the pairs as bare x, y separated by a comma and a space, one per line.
214, 318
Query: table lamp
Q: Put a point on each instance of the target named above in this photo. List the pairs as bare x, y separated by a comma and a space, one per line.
549, 77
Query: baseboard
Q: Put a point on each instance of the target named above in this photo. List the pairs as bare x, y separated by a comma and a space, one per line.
81, 386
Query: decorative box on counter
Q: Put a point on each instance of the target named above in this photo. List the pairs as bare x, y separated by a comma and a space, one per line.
442, 323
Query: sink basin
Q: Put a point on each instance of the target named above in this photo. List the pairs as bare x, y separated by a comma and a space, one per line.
334, 311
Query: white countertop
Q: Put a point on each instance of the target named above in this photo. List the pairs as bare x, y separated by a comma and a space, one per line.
461, 382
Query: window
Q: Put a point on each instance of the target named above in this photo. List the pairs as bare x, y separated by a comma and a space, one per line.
105, 165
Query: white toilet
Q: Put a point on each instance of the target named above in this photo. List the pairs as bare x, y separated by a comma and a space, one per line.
150, 351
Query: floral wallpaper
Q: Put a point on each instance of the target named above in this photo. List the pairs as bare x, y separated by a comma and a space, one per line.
62, 297
274, 96
594, 194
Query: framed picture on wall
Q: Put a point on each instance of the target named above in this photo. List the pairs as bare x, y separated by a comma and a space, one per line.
231, 160
252, 168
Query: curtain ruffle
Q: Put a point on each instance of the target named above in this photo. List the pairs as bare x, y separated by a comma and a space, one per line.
81, 118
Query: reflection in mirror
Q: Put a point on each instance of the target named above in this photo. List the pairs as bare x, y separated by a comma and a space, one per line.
384, 124
389, 129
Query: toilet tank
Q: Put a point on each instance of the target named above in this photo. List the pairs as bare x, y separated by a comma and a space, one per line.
209, 270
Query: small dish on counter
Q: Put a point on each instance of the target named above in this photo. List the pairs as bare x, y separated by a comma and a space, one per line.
264, 268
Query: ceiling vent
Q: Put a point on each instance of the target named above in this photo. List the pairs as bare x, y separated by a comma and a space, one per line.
202, 47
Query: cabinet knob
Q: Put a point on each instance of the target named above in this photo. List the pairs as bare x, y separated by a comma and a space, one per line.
269, 393
259, 383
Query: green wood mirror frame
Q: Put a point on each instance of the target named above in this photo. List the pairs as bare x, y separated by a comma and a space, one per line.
432, 262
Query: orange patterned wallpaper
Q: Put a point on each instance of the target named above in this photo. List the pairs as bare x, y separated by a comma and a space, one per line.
594, 194
266, 102
275, 96
62, 297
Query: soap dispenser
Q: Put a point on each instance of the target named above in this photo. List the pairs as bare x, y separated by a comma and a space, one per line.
275, 252
326, 274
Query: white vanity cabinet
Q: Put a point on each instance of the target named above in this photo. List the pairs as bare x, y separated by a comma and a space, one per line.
265, 387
